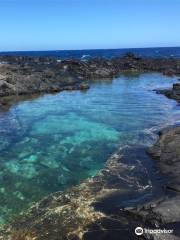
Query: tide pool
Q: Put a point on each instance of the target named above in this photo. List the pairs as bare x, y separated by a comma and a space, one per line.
55, 141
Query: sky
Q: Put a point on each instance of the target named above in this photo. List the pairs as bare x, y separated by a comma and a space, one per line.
88, 24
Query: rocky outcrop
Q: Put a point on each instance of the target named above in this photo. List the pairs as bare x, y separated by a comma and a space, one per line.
6, 88
26, 80
166, 151
27, 75
173, 93
166, 213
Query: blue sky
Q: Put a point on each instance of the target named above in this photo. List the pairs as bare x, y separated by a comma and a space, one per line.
88, 24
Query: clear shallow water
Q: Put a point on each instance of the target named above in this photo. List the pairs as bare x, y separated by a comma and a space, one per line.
55, 141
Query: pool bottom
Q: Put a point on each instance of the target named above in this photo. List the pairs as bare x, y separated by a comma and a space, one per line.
98, 205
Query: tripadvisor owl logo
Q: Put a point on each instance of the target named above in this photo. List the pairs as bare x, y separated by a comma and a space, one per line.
139, 231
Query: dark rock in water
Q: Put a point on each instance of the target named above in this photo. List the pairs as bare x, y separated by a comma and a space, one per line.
83, 86
166, 213
169, 72
173, 93
131, 56
176, 87
167, 152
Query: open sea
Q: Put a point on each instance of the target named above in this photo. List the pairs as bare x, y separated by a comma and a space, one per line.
166, 52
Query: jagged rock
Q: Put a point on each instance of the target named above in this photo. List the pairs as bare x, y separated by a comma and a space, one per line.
173, 93
83, 86
6, 88
167, 152
169, 72
44, 74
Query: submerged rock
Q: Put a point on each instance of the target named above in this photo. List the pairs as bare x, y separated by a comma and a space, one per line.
94, 209
113, 203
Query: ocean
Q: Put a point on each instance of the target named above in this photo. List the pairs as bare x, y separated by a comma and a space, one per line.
166, 52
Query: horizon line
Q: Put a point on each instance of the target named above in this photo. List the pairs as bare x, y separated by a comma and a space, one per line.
86, 49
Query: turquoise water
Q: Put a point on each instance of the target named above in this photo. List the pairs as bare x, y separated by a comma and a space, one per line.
55, 141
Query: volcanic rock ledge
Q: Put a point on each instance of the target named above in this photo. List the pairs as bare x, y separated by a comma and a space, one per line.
173, 93
166, 151
27, 75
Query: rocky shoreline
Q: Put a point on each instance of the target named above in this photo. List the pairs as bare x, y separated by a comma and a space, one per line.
32, 75
173, 93
122, 196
